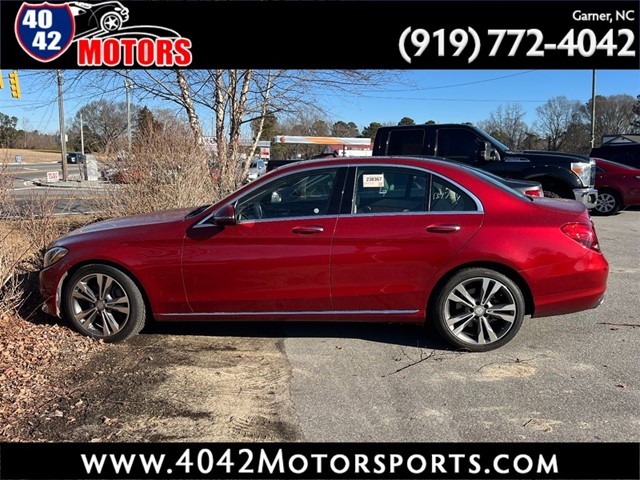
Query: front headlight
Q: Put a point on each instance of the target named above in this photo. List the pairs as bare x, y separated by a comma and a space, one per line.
53, 255
583, 170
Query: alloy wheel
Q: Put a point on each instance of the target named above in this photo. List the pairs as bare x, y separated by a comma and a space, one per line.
480, 311
100, 305
607, 203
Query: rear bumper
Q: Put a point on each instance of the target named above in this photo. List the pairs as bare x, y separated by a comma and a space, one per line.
571, 288
588, 196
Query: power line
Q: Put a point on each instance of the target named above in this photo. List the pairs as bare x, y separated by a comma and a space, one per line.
455, 99
454, 85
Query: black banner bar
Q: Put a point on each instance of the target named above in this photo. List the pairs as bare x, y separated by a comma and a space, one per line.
600, 461
355, 34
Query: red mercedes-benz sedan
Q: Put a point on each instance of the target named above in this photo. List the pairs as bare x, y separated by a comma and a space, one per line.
369, 239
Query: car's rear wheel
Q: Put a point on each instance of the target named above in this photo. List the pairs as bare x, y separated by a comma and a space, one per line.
103, 302
608, 203
478, 309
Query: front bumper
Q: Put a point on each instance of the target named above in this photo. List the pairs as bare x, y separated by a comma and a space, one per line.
588, 196
51, 281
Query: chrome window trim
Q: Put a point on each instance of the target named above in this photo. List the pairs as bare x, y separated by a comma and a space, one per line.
393, 214
476, 200
203, 222
479, 206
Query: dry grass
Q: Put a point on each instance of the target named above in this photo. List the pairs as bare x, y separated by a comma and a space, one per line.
166, 170
35, 349
14, 252
8, 155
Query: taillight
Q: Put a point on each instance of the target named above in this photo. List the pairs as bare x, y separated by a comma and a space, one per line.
582, 233
533, 192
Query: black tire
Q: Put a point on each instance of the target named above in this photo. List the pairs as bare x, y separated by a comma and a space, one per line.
103, 302
464, 311
551, 194
609, 203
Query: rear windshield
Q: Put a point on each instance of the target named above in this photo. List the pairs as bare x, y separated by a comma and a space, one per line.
499, 182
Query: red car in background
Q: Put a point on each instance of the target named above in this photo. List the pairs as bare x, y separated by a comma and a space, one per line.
381, 239
618, 187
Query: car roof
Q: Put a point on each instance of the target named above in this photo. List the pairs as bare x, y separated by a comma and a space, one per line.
621, 146
420, 161
616, 165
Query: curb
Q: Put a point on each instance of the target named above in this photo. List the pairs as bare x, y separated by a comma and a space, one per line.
70, 184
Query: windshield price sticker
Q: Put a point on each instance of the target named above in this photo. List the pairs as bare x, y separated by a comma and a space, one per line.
468, 42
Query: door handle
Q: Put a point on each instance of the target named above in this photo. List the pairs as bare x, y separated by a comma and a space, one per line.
311, 230
443, 228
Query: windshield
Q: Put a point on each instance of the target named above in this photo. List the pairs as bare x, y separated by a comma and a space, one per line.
499, 182
501, 145
491, 139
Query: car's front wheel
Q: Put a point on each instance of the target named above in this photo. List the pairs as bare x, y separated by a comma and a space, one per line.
478, 309
608, 203
103, 302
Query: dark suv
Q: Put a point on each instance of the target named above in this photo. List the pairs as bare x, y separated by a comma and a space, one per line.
74, 157
625, 153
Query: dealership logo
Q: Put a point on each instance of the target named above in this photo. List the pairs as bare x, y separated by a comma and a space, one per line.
103, 35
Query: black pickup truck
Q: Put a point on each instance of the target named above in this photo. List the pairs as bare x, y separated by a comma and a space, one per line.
562, 175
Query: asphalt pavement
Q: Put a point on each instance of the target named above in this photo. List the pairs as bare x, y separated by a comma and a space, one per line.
31, 180
570, 378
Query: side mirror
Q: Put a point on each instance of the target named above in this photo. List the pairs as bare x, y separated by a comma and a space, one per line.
225, 215
489, 153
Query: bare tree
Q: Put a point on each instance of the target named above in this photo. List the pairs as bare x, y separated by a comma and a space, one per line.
104, 123
305, 122
614, 114
507, 125
557, 117
635, 122
187, 103
237, 98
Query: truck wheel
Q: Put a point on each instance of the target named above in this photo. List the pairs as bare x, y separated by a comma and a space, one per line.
478, 310
551, 194
609, 202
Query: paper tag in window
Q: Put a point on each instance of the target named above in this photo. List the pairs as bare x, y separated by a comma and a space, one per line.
373, 181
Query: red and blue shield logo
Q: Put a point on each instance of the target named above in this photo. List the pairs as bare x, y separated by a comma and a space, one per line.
45, 31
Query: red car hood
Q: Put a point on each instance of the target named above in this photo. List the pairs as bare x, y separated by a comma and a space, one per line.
145, 219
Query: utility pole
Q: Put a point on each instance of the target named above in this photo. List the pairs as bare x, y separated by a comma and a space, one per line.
81, 136
63, 139
593, 109
127, 86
